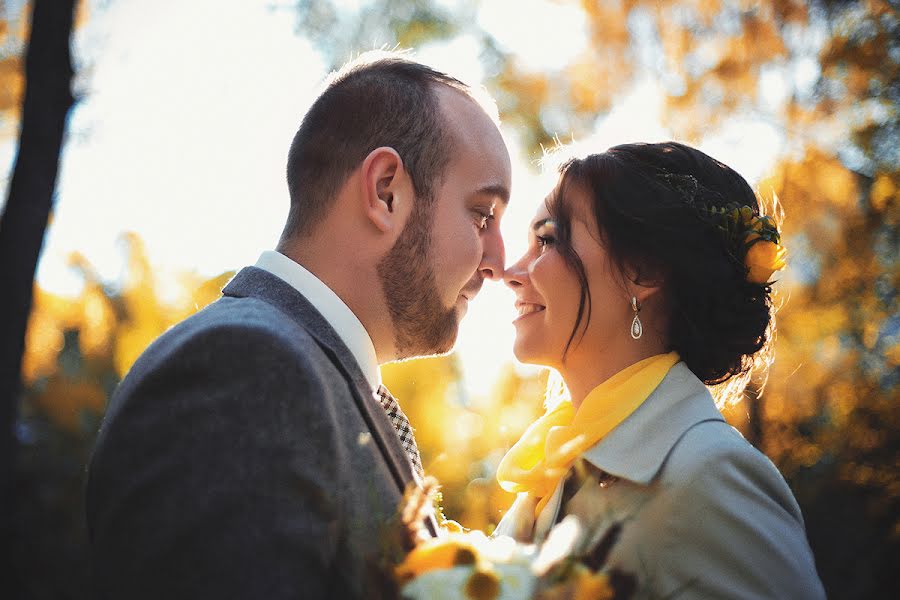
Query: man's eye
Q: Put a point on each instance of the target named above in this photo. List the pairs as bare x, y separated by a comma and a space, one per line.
482, 219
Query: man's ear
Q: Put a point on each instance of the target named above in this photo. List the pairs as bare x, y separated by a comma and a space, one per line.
386, 191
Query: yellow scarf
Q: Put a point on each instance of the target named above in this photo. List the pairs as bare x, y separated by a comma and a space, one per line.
544, 453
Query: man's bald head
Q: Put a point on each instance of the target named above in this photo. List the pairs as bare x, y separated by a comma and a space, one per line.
379, 99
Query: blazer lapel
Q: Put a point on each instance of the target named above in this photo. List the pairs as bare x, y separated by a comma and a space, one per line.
638, 447
253, 282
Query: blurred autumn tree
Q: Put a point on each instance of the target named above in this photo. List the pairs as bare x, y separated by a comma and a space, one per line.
12, 42
823, 74
45, 104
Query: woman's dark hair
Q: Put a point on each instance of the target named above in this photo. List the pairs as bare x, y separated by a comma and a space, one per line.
651, 203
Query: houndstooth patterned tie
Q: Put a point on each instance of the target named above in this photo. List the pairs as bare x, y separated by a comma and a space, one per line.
404, 429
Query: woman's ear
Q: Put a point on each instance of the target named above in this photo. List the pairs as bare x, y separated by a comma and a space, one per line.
642, 283
386, 190
645, 292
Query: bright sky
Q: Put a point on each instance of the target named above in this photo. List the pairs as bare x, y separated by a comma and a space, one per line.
190, 108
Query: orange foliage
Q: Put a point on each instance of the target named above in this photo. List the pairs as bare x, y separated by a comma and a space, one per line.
73, 343
12, 83
65, 401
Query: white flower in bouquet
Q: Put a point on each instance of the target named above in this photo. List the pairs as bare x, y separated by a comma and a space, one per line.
568, 565
472, 566
469, 565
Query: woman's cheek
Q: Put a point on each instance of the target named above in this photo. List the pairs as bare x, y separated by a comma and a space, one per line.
549, 274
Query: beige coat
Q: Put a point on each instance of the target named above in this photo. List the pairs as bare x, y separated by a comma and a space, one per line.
704, 514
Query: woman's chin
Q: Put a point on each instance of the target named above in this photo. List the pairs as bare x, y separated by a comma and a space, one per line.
529, 354
520, 351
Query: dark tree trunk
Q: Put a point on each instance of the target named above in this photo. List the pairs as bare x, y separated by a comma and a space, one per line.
48, 97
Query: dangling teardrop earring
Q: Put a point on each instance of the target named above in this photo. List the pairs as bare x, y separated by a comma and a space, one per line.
637, 329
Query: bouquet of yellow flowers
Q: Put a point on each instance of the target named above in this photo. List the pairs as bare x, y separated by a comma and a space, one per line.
569, 565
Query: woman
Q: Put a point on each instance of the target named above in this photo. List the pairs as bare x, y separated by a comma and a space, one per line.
647, 280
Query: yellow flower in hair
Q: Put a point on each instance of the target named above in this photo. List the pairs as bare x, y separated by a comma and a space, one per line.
764, 252
763, 259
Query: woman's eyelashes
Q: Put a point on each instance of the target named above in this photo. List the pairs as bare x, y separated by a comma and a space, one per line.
545, 235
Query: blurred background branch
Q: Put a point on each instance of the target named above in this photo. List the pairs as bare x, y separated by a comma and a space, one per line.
45, 105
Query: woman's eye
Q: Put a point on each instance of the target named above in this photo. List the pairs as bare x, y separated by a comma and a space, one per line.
482, 219
544, 241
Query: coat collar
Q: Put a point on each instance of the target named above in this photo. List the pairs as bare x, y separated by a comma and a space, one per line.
638, 447
253, 282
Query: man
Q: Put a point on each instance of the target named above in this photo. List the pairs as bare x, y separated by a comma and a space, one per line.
251, 451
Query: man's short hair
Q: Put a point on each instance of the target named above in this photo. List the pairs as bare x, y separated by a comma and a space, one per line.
379, 99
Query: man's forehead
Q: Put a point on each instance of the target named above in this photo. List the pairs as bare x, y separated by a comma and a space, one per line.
454, 101
467, 123
478, 153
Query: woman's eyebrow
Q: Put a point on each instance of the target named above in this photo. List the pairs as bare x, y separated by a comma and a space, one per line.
538, 224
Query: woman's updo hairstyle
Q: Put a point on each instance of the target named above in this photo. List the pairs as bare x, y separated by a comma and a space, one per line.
652, 204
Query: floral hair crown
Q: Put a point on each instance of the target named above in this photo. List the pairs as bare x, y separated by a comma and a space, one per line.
754, 240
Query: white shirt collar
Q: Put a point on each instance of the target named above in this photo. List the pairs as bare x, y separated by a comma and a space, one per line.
339, 316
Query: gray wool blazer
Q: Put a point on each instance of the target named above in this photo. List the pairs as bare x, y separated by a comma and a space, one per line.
244, 456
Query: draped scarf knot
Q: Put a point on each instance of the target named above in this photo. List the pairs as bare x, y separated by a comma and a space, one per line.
548, 448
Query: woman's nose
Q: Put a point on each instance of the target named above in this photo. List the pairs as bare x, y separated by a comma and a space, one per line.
516, 274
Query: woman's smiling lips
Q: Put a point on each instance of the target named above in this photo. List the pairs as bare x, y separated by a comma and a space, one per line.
527, 308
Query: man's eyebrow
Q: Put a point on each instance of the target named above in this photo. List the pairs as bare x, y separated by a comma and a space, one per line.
496, 190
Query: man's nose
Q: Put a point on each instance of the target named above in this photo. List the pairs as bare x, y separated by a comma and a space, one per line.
494, 256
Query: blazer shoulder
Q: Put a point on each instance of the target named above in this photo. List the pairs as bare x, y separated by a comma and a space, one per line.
707, 444
713, 459
727, 524
245, 314
240, 321
225, 340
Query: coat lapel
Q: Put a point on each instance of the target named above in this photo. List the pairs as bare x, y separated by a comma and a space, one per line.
253, 282
637, 449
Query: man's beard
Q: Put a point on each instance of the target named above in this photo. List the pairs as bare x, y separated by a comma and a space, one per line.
422, 324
